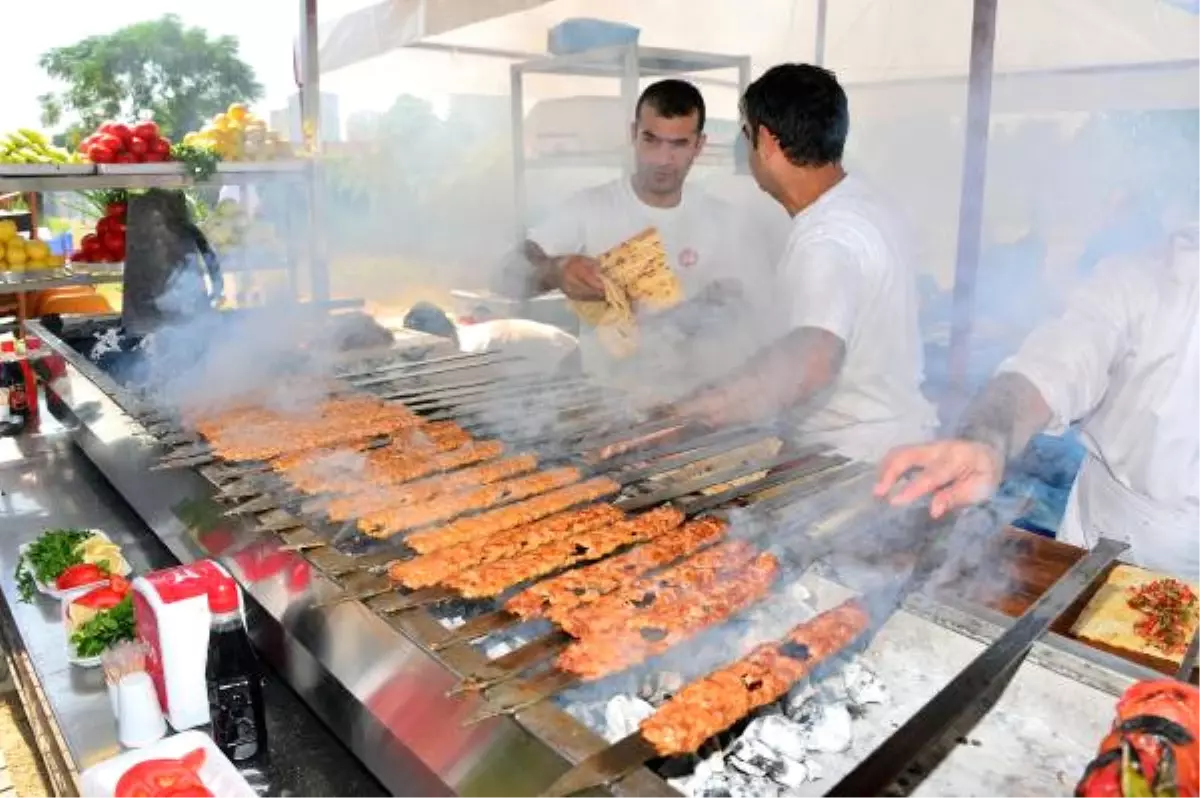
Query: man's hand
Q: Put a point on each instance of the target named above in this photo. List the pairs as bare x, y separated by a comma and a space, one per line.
956, 472
579, 278
711, 407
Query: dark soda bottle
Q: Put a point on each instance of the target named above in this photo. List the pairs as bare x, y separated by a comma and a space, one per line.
235, 701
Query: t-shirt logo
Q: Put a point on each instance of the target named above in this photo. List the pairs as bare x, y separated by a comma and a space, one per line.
688, 258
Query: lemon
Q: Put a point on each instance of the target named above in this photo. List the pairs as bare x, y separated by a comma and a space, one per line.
220, 121
101, 551
33, 264
37, 250
238, 112
16, 255
56, 262
8, 230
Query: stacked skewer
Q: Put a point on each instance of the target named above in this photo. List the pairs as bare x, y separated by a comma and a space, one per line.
456, 509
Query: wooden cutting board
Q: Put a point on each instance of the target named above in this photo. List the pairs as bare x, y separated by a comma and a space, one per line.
1108, 621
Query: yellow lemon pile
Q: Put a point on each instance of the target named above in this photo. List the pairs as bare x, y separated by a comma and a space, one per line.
238, 135
20, 255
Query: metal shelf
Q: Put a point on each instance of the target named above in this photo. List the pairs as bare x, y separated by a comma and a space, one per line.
85, 177
27, 285
610, 62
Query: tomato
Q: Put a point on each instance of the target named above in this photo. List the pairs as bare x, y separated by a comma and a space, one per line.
162, 146
98, 153
125, 157
113, 241
155, 157
77, 256
138, 145
116, 210
118, 129
103, 225
79, 575
147, 130
164, 778
114, 143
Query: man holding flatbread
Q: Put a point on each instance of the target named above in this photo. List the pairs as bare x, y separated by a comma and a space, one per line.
646, 262
848, 371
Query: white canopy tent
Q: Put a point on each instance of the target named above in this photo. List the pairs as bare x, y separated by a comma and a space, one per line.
900, 59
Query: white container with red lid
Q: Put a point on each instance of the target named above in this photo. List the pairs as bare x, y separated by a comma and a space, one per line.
171, 611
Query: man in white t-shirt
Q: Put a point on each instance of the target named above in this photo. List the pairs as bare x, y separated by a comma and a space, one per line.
701, 235
849, 369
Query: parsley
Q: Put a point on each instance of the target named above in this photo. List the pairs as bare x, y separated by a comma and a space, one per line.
47, 557
200, 163
104, 629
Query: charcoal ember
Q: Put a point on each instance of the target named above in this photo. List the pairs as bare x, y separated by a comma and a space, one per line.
659, 686
622, 715
735, 785
863, 687
796, 698
702, 768
452, 621
754, 759
826, 725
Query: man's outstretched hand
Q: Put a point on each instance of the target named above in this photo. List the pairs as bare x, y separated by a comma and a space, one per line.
579, 278
956, 472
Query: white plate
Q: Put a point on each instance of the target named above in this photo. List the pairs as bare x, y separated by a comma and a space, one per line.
82, 662
55, 593
218, 774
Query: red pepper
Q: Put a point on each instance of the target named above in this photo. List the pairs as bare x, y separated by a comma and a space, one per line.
85, 573
1153, 746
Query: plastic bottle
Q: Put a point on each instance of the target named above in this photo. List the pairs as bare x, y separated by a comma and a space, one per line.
235, 701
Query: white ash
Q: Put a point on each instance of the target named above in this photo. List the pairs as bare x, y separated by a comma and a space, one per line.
622, 716
660, 685
781, 748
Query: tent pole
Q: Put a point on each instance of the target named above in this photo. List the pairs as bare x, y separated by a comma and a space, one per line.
819, 45
310, 129
970, 209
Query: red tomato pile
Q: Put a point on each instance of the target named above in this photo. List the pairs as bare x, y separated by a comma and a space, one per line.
117, 142
107, 243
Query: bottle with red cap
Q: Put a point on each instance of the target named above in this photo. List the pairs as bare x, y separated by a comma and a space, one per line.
234, 679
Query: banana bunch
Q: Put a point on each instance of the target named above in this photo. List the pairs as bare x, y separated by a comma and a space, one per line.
31, 147
230, 228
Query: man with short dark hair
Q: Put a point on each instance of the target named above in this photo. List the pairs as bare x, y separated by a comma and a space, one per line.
700, 233
850, 366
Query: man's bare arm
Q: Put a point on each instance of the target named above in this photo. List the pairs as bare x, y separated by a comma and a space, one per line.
1005, 415
789, 372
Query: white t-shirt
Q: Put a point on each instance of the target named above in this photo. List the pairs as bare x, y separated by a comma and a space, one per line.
704, 244
847, 270
543, 345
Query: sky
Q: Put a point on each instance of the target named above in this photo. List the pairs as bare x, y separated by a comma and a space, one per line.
265, 29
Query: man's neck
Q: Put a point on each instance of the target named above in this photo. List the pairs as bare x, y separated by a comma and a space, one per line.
653, 199
809, 185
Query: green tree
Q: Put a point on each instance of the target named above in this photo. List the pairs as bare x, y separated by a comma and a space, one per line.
180, 74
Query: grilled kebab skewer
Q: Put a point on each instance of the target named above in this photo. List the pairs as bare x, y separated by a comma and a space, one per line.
714, 703
430, 569
390, 521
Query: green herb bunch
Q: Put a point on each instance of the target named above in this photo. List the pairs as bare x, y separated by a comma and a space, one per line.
104, 629
46, 558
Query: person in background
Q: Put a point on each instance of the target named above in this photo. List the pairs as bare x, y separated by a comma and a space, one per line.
545, 347
1124, 358
704, 246
850, 364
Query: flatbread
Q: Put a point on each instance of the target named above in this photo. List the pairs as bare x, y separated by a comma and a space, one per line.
1108, 619
635, 274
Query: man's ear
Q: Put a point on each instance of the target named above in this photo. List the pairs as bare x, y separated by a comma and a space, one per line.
766, 143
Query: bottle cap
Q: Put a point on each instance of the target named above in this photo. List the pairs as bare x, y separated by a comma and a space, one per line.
223, 596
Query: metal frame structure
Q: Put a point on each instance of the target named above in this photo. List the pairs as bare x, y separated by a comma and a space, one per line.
627, 63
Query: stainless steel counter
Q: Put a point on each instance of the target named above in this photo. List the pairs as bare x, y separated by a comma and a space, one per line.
380, 693
46, 482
